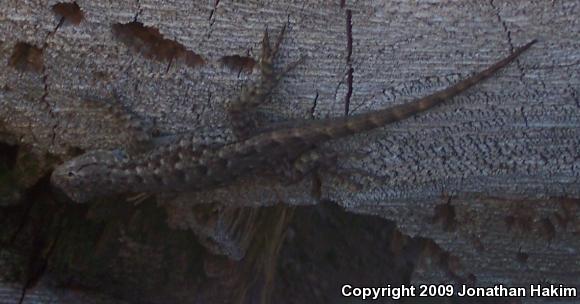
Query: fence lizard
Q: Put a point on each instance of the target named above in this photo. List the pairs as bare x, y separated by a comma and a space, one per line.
186, 165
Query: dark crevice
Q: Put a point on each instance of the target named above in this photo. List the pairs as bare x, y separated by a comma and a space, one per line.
211, 13
151, 44
26, 57
349, 77
314, 105
21, 223
80, 251
313, 266
8, 155
69, 12
349, 92
211, 18
42, 251
65, 244
38, 229
32, 196
345, 249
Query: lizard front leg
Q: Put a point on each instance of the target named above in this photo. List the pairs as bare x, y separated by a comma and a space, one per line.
227, 230
242, 111
224, 230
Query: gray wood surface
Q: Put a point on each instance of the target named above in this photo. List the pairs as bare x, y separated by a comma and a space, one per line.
509, 144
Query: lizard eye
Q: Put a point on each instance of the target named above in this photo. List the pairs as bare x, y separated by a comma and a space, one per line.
70, 174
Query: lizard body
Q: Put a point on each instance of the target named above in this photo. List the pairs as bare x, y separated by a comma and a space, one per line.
185, 165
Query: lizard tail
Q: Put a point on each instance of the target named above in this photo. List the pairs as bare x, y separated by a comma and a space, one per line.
367, 121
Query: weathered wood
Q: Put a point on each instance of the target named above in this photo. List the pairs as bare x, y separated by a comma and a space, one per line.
508, 144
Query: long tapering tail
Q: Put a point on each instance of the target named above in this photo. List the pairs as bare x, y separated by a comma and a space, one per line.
335, 128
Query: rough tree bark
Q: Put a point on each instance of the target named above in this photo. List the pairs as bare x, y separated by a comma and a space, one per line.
492, 176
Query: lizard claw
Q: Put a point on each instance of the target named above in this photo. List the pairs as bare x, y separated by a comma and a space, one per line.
290, 67
269, 52
279, 40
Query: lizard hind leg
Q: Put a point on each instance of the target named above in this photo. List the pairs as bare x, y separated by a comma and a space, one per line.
269, 53
306, 166
316, 163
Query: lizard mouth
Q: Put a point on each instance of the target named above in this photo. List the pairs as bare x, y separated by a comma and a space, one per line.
62, 179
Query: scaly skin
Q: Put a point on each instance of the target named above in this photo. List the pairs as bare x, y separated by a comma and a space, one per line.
186, 166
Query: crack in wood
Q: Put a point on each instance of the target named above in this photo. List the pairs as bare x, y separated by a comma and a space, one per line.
350, 71
509, 37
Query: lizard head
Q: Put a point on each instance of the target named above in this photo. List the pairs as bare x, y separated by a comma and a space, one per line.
85, 177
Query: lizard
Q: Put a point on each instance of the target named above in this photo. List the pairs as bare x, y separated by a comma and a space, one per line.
187, 164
